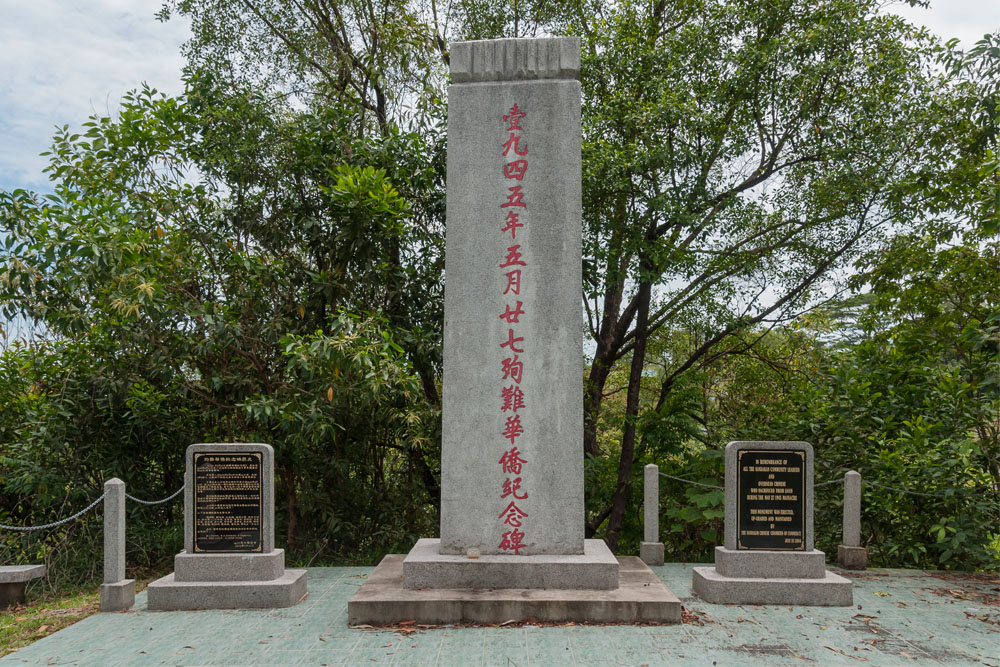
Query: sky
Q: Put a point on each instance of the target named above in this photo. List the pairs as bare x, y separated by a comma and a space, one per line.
61, 61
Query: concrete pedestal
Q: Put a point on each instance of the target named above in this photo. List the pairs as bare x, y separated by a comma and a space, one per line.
13, 581
596, 568
640, 597
852, 558
168, 594
118, 596
651, 553
771, 577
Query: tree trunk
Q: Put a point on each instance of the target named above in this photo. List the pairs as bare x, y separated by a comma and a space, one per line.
620, 500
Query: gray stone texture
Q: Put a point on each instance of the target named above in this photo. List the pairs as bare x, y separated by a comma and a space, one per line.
229, 567
651, 503
425, 567
852, 558
852, 509
641, 597
14, 580
743, 564
550, 245
114, 531
515, 60
118, 595
651, 553
267, 492
732, 471
167, 594
830, 591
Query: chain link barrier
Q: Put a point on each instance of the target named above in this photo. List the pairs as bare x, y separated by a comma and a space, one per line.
688, 481
25, 529
912, 493
832, 481
156, 502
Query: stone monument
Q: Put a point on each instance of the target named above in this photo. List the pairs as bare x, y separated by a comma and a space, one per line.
117, 592
512, 506
769, 557
229, 560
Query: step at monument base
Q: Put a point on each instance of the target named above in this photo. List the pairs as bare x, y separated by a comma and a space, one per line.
168, 594
595, 568
832, 590
641, 597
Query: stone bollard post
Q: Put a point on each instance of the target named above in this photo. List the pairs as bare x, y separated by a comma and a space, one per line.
651, 549
851, 555
117, 592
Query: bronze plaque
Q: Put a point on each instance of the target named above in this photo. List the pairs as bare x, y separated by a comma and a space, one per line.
770, 497
228, 502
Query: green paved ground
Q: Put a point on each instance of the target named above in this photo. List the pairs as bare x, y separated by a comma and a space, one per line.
899, 617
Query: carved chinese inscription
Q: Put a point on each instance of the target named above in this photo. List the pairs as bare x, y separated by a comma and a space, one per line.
512, 398
228, 502
770, 495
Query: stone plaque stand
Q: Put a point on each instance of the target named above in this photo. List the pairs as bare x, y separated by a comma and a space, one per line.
769, 556
229, 560
512, 512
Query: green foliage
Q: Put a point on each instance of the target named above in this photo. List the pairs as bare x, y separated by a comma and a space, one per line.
215, 268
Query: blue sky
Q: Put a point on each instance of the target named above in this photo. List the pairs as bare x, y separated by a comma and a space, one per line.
63, 61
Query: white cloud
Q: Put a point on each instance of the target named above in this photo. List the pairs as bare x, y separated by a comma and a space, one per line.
63, 61
968, 20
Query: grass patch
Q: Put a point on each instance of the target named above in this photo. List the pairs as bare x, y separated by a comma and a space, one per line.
23, 624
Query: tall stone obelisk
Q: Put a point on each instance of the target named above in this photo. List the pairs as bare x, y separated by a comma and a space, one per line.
512, 508
511, 460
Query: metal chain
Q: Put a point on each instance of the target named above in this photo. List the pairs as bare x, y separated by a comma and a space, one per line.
156, 502
681, 479
832, 481
56, 523
912, 493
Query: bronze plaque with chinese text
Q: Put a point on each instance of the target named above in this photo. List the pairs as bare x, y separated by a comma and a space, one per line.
228, 503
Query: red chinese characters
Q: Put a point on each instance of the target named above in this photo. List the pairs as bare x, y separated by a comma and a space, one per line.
512, 398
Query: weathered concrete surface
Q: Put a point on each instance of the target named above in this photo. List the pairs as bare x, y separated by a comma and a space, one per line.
732, 471
425, 567
229, 567
641, 596
907, 617
114, 531
852, 558
651, 504
492, 78
118, 596
852, 509
831, 590
14, 580
651, 553
770, 564
167, 594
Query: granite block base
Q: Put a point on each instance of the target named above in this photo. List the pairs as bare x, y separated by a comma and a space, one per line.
596, 568
118, 596
830, 591
641, 597
229, 567
14, 579
852, 558
168, 594
743, 564
651, 553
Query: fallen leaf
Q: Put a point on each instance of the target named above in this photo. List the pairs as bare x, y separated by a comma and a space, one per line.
881, 594
387, 645
43, 628
187, 646
21, 618
405, 623
823, 627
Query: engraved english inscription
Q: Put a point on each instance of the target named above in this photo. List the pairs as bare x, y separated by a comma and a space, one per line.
228, 502
770, 495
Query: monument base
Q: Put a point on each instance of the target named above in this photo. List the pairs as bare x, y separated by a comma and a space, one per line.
640, 598
229, 567
852, 558
168, 594
651, 553
118, 596
830, 590
596, 568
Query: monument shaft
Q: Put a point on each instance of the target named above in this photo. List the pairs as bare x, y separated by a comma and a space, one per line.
512, 466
